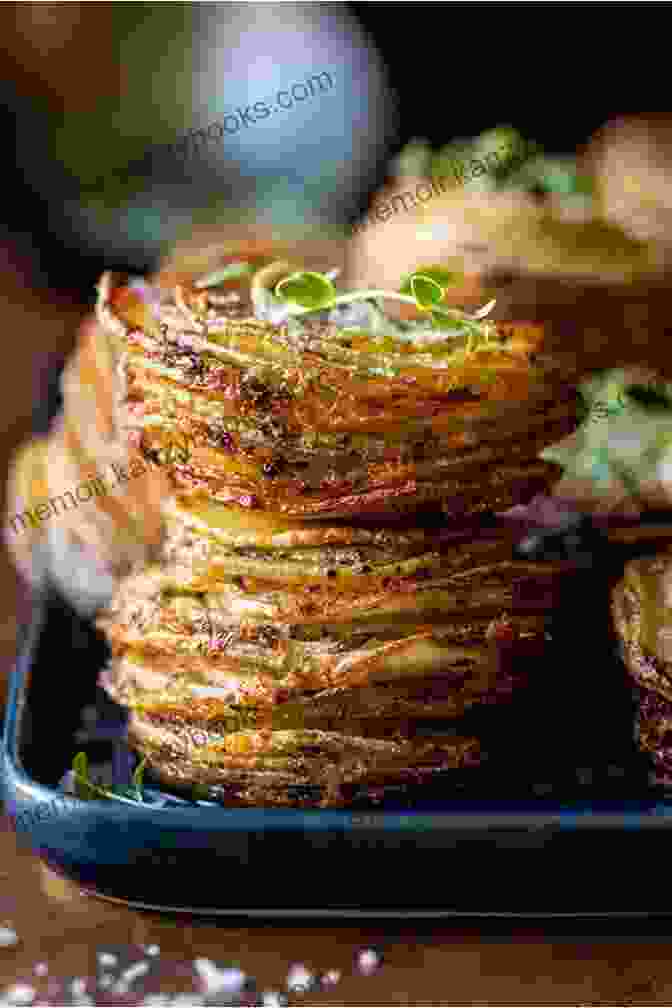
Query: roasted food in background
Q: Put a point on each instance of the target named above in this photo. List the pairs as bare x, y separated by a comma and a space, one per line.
493, 204
619, 459
654, 733
535, 231
641, 608
642, 611
630, 160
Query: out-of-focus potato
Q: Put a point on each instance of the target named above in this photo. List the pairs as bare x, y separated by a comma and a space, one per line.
631, 161
538, 218
208, 248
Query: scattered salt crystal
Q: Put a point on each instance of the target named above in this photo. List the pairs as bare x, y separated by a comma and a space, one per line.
215, 980
107, 959
299, 979
331, 978
105, 981
41, 969
8, 936
130, 975
21, 994
273, 999
368, 961
152, 950
79, 996
78, 986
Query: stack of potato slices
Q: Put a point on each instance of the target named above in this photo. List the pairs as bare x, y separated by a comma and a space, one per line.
333, 591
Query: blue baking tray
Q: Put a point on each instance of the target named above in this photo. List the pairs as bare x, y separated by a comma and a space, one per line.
560, 820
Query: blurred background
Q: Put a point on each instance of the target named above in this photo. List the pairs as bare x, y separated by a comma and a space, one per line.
102, 108
106, 109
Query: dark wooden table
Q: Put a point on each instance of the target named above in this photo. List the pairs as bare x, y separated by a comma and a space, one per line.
462, 962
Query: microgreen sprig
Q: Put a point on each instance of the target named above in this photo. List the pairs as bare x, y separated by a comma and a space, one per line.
87, 790
306, 292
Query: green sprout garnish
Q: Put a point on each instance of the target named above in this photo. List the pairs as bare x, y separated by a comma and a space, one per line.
442, 276
138, 775
84, 787
427, 292
200, 792
309, 292
88, 790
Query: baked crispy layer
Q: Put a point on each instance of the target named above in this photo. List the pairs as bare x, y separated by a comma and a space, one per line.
267, 635
311, 419
476, 669
259, 463
296, 768
208, 544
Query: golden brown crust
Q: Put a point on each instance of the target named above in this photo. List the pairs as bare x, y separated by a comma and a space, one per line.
326, 770
649, 668
247, 397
